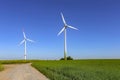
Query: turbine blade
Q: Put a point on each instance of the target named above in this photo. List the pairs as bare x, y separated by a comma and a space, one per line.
72, 27
30, 40
61, 31
22, 42
24, 35
63, 19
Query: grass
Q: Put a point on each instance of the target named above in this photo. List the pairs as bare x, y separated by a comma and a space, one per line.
1, 67
14, 61
79, 69
74, 69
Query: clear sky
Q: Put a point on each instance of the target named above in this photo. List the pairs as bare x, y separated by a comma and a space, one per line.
98, 22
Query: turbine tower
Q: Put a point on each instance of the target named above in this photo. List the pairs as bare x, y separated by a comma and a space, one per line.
65, 40
24, 41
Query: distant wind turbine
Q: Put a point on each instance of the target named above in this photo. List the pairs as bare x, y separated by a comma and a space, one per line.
64, 29
24, 41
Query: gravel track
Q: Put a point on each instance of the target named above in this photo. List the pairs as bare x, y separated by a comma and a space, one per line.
21, 72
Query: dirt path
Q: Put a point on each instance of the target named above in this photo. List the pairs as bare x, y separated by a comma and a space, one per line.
21, 72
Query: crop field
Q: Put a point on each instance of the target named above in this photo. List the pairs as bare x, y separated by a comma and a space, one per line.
1, 67
79, 69
74, 69
13, 61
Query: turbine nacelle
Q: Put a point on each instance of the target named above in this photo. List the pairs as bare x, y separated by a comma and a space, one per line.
66, 26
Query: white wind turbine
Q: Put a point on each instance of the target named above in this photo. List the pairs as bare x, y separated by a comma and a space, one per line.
24, 41
64, 29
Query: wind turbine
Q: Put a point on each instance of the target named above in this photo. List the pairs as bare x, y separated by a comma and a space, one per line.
24, 41
64, 29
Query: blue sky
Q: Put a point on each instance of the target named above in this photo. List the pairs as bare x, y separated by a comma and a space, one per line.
98, 22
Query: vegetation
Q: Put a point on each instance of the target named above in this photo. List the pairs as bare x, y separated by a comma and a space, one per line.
74, 69
1, 67
68, 58
13, 61
79, 69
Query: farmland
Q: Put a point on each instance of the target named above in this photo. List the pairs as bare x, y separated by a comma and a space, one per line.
14, 61
80, 69
1, 67
74, 69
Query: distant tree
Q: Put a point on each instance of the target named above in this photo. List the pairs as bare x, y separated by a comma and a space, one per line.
68, 58
61, 58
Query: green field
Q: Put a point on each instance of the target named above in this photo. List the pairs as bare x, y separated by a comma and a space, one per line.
14, 61
1, 67
74, 69
80, 69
